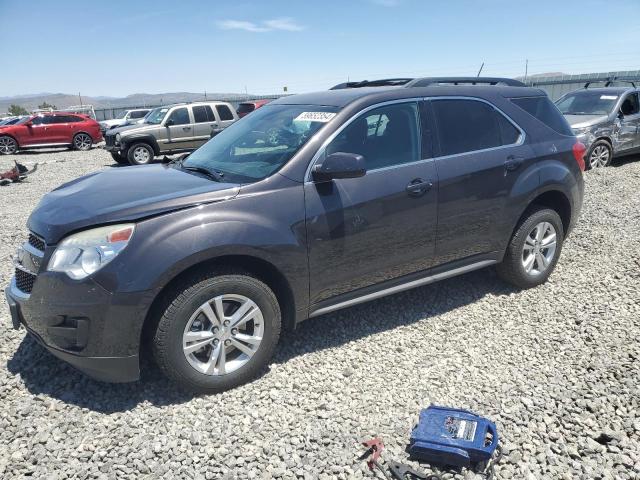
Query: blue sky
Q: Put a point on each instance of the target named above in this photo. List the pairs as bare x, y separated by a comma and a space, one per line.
119, 47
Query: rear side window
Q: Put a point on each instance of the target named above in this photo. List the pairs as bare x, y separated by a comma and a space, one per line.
471, 125
203, 113
224, 112
544, 110
180, 116
138, 114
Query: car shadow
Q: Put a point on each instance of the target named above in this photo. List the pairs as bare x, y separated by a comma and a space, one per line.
44, 374
622, 161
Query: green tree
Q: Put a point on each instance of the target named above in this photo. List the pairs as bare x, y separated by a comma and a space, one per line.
17, 110
44, 106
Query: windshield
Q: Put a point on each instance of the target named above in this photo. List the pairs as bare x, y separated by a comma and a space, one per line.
24, 120
261, 143
587, 103
156, 115
122, 115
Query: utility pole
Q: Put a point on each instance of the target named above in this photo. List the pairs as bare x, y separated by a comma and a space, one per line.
80, 97
205, 94
526, 69
480, 71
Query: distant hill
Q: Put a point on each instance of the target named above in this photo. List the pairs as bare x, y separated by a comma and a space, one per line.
62, 100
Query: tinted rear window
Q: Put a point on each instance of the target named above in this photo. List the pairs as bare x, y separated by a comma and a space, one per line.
471, 125
544, 110
224, 112
245, 108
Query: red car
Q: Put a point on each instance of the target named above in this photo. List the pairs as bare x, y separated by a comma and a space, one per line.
58, 129
245, 108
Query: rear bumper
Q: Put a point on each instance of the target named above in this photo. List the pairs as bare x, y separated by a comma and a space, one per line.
82, 324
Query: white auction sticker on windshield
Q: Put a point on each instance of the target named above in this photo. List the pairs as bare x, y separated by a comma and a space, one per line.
608, 97
322, 117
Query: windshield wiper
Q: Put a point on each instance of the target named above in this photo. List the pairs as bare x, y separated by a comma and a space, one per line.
209, 173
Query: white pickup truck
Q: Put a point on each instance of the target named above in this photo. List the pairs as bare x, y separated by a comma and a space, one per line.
126, 117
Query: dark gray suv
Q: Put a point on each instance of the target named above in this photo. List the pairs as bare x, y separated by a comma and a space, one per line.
312, 203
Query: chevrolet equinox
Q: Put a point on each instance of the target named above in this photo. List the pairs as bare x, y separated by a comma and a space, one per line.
312, 203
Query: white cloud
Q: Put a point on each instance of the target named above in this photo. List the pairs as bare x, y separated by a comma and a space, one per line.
284, 24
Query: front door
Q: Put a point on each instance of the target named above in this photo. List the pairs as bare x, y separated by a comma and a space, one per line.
179, 130
379, 227
625, 134
480, 156
39, 132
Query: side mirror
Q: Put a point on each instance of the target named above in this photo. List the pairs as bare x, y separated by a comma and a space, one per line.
339, 165
169, 122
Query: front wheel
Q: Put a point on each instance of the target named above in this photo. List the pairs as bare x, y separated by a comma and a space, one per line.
600, 155
119, 158
534, 249
7, 145
217, 332
140, 154
82, 141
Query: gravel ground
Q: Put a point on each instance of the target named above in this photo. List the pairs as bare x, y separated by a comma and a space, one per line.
556, 368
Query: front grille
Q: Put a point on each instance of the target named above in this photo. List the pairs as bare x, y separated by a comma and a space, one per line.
110, 140
36, 242
24, 280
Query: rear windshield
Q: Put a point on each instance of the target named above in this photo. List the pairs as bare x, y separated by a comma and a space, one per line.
245, 108
544, 110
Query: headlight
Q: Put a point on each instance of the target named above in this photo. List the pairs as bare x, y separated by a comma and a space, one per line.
117, 138
580, 131
81, 254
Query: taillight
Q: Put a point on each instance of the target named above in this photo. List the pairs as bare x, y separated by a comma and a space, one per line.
578, 152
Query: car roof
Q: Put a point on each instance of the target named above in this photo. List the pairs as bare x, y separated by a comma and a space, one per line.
617, 90
343, 97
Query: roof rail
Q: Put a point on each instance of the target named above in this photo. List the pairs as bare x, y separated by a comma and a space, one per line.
385, 82
610, 81
429, 81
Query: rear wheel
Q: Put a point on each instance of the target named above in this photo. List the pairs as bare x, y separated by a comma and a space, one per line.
7, 145
600, 155
82, 141
140, 154
217, 332
121, 159
534, 249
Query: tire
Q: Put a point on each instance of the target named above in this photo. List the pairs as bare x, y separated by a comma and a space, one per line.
140, 154
188, 362
121, 159
515, 268
82, 141
8, 145
599, 155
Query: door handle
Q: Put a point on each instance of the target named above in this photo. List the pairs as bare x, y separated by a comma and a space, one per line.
513, 163
186, 128
418, 187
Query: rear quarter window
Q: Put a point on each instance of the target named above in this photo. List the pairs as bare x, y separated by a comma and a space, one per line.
544, 110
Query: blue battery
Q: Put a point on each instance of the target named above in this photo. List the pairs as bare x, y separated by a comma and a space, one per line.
452, 437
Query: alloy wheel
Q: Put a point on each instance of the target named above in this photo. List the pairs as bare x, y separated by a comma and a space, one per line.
539, 248
223, 334
82, 141
7, 145
599, 157
141, 155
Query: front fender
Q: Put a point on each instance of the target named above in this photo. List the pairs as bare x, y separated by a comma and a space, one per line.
126, 142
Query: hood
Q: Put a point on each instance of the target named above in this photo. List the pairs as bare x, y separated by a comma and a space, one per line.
122, 194
112, 122
140, 127
579, 121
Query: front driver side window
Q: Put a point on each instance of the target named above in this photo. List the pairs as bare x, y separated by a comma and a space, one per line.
180, 116
385, 136
630, 106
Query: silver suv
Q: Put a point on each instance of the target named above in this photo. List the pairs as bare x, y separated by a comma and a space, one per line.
167, 130
606, 120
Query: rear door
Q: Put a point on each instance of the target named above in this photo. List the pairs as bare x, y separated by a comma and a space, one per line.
481, 153
205, 123
180, 129
376, 228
